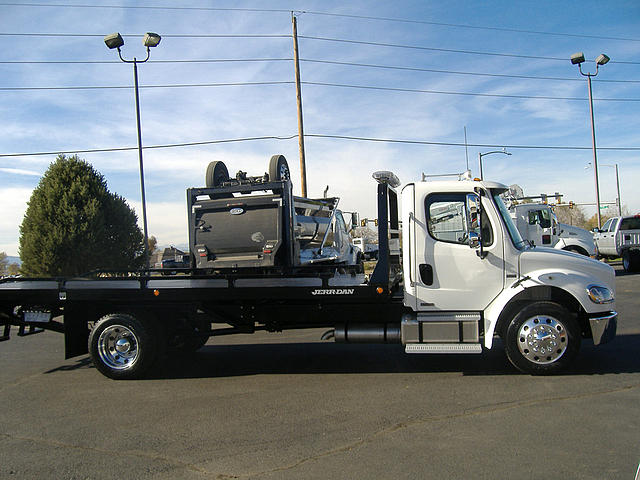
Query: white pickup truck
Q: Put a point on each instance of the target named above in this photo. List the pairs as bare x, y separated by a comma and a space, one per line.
620, 237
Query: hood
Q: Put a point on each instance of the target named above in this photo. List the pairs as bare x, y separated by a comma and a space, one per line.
548, 261
565, 230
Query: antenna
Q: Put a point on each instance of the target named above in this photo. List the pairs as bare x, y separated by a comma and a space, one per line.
466, 150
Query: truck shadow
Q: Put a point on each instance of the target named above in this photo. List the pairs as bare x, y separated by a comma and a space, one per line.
213, 361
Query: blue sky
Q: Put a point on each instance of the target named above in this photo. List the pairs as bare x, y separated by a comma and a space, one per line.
426, 105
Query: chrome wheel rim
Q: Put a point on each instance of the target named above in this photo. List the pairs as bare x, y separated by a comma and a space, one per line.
118, 347
284, 171
542, 339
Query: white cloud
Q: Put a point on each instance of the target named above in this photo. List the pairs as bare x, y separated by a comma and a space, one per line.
14, 204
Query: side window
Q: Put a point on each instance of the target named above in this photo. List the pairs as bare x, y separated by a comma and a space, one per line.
605, 227
614, 222
545, 218
340, 221
533, 217
447, 220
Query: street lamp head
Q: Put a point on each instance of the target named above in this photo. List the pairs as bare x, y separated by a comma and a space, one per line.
602, 59
114, 40
151, 39
577, 58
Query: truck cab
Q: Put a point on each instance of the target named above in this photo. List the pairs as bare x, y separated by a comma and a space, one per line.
469, 275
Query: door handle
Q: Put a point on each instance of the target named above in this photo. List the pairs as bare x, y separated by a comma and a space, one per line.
426, 273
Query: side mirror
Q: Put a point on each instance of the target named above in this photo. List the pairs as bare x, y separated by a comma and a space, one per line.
474, 239
473, 220
355, 222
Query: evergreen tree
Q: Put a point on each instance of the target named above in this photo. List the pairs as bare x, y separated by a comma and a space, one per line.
73, 224
4, 263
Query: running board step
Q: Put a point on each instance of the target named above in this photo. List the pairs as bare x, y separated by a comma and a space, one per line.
443, 348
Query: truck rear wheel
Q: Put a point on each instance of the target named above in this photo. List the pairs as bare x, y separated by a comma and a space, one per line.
543, 338
123, 346
278, 169
630, 260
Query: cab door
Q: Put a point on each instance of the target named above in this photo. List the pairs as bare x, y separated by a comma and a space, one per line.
449, 274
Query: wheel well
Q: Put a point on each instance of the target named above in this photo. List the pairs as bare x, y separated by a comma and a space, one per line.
548, 293
577, 249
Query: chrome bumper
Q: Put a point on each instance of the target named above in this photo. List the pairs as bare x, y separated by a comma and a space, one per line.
603, 327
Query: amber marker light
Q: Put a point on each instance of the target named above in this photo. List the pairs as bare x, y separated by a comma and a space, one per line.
156, 293
380, 290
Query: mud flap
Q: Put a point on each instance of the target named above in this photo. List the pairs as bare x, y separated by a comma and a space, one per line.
76, 335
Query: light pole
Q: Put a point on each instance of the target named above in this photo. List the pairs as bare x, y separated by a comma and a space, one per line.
480, 155
150, 40
618, 200
602, 59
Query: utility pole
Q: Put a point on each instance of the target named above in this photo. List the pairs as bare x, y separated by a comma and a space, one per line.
303, 168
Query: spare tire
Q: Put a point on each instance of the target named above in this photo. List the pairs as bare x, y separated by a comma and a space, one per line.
278, 169
217, 174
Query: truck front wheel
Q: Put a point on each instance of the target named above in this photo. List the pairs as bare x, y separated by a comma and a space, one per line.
122, 346
543, 338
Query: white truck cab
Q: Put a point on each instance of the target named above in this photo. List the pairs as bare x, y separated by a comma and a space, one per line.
538, 223
465, 263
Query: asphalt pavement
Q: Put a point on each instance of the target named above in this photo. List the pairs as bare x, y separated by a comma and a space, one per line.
288, 406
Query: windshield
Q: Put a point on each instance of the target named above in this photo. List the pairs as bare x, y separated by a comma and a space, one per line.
516, 238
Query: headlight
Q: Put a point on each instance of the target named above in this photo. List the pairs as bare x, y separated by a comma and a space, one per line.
599, 294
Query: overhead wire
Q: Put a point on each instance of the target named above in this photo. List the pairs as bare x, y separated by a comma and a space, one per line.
314, 135
312, 60
311, 83
447, 50
327, 14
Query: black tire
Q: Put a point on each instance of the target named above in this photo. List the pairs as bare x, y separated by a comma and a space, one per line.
631, 261
183, 342
543, 338
278, 169
124, 347
635, 260
216, 175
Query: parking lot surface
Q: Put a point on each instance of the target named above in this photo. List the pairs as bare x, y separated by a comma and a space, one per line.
288, 406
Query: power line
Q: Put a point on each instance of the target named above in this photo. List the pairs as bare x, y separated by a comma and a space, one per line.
164, 35
440, 92
448, 50
118, 62
477, 27
454, 72
457, 144
311, 60
148, 7
321, 84
316, 135
128, 87
361, 17
308, 37
149, 147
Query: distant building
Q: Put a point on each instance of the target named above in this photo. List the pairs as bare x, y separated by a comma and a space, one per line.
169, 253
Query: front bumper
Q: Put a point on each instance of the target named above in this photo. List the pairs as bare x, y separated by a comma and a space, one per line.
603, 327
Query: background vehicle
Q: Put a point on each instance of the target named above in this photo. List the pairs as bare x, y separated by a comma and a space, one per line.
538, 223
369, 250
256, 222
620, 237
465, 275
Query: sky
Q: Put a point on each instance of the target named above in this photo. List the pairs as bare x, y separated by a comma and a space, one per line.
402, 80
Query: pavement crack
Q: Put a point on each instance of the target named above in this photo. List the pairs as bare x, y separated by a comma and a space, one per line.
115, 453
476, 411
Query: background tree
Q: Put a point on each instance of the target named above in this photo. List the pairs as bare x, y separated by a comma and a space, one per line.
571, 216
4, 263
152, 245
73, 224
